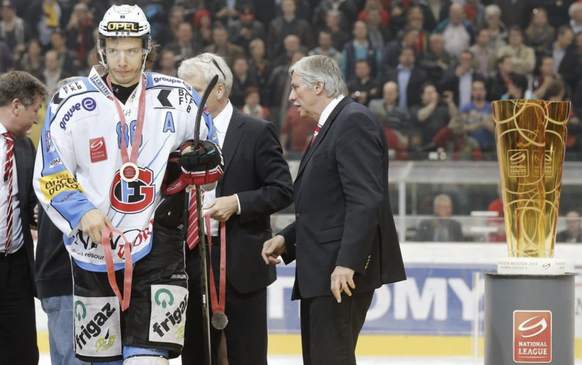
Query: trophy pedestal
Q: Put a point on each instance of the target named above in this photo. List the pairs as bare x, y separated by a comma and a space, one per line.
529, 319
531, 266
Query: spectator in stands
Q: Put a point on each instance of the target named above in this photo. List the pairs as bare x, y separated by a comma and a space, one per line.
409, 79
6, 59
165, 35
68, 60
223, 11
168, 63
260, 67
325, 48
503, 77
523, 57
479, 120
441, 228
222, 47
435, 11
44, 16
79, 32
53, 72
253, 105
575, 12
387, 110
460, 80
338, 36
203, 27
291, 44
497, 222
377, 34
13, 30
434, 114
496, 28
242, 80
296, 132
457, 32
559, 47
32, 61
475, 13
571, 62
282, 26
513, 12
372, 5
342, 12
517, 88
415, 20
436, 61
457, 145
484, 57
279, 86
359, 49
540, 34
185, 46
393, 48
546, 77
244, 30
572, 233
364, 88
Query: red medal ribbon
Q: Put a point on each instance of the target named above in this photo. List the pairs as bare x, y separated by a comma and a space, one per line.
125, 158
218, 304
128, 275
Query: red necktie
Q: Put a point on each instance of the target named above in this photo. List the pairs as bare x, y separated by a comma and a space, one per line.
192, 237
8, 172
317, 129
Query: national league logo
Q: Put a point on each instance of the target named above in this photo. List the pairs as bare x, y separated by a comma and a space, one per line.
532, 336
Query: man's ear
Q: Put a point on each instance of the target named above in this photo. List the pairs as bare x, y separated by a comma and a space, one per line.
15, 106
319, 87
220, 91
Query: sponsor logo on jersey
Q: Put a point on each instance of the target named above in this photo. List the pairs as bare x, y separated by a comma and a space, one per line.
93, 328
98, 149
56, 162
52, 185
169, 303
532, 336
132, 27
96, 80
169, 80
74, 87
50, 147
87, 104
135, 196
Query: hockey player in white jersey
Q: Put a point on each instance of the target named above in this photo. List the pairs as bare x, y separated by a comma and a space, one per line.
99, 174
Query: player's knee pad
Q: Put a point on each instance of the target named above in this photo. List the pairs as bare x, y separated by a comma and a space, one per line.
141, 356
146, 360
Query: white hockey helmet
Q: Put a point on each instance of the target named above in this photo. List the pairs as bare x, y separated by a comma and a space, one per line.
124, 21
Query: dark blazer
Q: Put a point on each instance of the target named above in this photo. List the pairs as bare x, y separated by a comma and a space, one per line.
343, 215
427, 229
255, 170
450, 82
24, 155
418, 77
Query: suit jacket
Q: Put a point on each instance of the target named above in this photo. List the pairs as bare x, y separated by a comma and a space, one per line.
426, 231
450, 82
418, 77
24, 155
343, 215
255, 170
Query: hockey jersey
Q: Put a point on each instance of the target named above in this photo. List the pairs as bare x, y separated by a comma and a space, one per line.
78, 160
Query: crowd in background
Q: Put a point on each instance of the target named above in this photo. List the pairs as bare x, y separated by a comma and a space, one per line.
428, 69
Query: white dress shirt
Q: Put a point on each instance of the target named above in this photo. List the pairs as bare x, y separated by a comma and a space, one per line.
17, 237
221, 122
328, 109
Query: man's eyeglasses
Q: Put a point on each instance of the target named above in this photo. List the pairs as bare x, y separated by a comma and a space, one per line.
211, 59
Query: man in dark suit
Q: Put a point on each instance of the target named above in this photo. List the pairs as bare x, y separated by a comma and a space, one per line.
442, 228
409, 79
21, 96
343, 238
255, 184
460, 80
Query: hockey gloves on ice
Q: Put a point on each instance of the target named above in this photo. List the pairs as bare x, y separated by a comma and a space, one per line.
203, 165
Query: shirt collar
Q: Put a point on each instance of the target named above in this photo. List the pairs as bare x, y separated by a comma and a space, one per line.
2, 130
328, 109
223, 118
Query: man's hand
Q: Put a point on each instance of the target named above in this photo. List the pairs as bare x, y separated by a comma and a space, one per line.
340, 279
92, 224
272, 249
222, 208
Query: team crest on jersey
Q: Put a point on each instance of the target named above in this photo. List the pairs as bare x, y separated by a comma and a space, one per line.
135, 196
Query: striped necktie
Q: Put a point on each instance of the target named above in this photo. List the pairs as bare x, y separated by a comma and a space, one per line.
8, 173
192, 236
317, 129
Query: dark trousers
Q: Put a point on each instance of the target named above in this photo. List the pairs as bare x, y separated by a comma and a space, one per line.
329, 330
17, 319
246, 332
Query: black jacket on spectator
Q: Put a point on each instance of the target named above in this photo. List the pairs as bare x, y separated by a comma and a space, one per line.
430, 62
450, 82
496, 87
276, 35
417, 77
351, 60
237, 94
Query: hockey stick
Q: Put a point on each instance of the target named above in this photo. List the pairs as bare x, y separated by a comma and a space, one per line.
201, 238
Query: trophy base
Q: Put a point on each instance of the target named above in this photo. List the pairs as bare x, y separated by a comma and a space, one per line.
531, 266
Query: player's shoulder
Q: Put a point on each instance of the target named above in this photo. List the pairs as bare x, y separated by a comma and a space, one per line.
157, 80
75, 100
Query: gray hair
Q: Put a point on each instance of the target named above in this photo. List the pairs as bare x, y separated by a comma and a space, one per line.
441, 198
313, 69
202, 64
492, 10
573, 8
